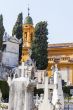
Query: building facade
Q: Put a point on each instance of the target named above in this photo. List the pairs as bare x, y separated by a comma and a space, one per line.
62, 54
10, 55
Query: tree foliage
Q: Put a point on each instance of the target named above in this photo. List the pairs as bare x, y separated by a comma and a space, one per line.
66, 90
4, 89
17, 29
40, 45
38, 91
2, 30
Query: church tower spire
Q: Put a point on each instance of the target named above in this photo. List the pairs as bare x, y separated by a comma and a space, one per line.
28, 10
28, 34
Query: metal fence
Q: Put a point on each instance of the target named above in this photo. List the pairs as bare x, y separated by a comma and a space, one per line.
68, 107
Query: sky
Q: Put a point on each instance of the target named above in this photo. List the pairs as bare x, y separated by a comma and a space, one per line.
58, 14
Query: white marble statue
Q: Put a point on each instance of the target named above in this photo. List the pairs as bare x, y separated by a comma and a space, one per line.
57, 91
21, 92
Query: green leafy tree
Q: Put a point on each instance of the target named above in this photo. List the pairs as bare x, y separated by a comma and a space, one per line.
40, 45
2, 30
18, 31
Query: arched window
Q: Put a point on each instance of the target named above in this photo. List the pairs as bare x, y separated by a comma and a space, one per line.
25, 36
31, 37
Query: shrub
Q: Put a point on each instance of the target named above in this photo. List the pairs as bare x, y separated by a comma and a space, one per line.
4, 89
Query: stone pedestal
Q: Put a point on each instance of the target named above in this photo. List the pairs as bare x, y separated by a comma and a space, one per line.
21, 94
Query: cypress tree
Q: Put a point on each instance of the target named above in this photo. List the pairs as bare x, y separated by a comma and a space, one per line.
40, 45
18, 31
2, 30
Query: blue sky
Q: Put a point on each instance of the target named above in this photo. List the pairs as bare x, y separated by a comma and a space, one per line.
58, 14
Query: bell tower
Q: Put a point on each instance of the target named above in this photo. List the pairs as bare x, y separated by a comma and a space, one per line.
28, 31
28, 34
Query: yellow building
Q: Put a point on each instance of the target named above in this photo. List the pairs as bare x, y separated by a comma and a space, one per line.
62, 54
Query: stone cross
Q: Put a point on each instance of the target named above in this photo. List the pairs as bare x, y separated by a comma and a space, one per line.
22, 68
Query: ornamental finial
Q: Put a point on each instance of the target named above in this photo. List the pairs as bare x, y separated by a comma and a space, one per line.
28, 10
